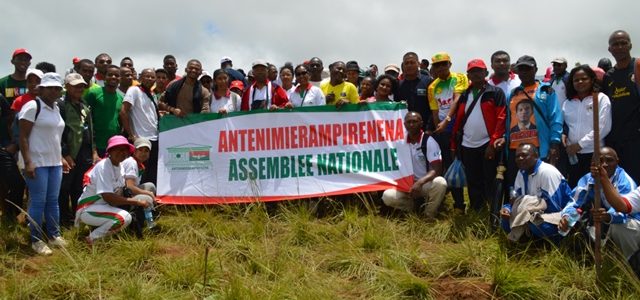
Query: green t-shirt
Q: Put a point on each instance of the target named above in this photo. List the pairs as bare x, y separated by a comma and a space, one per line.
105, 108
11, 88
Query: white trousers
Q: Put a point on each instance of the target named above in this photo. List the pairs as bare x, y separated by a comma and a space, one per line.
626, 236
108, 219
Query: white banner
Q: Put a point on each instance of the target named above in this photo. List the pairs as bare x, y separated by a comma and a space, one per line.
283, 155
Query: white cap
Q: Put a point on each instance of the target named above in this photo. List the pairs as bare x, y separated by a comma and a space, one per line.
35, 72
203, 74
51, 79
225, 59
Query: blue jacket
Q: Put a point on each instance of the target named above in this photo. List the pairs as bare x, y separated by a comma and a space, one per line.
584, 193
549, 118
545, 182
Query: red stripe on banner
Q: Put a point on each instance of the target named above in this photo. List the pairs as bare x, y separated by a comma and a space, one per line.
404, 184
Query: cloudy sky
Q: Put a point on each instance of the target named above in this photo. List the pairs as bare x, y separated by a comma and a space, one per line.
377, 32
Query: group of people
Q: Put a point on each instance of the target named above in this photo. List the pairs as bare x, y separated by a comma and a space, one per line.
72, 150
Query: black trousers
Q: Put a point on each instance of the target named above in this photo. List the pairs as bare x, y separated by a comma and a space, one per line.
151, 165
71, 187
481, 174
443, 140
580, 169
11, 186
629, 154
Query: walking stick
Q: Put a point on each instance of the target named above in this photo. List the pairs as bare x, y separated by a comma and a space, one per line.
496, 204
597, 187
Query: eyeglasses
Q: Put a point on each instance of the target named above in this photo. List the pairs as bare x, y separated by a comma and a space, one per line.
301, 73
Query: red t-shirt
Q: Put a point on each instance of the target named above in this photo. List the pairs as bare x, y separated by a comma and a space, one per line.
22, 100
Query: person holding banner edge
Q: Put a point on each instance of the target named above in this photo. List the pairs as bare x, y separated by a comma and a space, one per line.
427, 165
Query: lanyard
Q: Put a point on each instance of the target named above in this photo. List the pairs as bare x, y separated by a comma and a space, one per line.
304, 95
253, 96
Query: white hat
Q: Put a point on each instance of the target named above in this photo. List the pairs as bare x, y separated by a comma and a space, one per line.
51, 79
225, 59
203, 74
74, 79
260, 62
35, 72
142, 142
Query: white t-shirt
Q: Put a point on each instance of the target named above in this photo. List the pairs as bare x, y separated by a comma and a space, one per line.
143, 113
46, 134
230, 102
475, 130
561, 91
130, 170
419, 162
507, 86
104, 178
313, 96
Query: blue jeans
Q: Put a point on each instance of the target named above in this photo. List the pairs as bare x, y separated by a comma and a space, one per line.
44, 190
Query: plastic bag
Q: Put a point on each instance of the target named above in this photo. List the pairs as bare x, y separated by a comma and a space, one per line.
455, 175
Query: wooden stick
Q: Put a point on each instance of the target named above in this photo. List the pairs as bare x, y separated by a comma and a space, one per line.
597, 188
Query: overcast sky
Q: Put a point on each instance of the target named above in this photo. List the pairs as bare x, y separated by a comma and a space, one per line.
377, 32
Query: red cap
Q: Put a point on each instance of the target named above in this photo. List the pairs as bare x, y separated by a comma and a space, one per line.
476, 63
237, 84
20, 51
75, 60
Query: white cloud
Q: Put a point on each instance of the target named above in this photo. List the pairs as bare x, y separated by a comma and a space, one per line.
368, 31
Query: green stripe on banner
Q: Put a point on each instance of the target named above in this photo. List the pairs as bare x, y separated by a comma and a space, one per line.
170, 122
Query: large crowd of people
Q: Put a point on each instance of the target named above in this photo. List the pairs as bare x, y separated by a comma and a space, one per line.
67, 139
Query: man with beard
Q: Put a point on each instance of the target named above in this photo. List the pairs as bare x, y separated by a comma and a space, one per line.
186, 95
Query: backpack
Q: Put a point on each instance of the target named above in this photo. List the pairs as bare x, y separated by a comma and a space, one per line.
423, 146
15, 127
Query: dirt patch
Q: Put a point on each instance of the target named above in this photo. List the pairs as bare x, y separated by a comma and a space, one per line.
462, 288
172, 250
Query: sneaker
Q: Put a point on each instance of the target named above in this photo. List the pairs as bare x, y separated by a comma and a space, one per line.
41, 248
58, 242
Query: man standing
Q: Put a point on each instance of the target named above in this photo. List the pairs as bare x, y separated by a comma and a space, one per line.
413, 88
545, 127
337, 91
559, 79
427, 171
11, 181
315, 68
443, 94
15, 84
171, 66
162, 79
227, 64
86, 68
479, 122
102, 62
186, 95
619, 85
105, 103
139, 115
353, 73
263, 93
126, 80
502, 76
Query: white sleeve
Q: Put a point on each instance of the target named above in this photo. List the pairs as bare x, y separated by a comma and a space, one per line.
130, 168
101, 177
604, 116
433, 150
131, 95
633, 200
28, 111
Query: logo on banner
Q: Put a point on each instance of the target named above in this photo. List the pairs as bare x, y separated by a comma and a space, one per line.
189, 157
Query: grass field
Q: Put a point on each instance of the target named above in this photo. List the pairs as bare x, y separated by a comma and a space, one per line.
292, 251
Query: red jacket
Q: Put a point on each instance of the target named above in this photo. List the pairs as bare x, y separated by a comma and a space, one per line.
279, 95
494, 112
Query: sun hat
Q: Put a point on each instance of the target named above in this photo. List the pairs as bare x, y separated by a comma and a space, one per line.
118, 140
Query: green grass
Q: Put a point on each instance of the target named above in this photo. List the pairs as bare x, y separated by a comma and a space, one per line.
324, 249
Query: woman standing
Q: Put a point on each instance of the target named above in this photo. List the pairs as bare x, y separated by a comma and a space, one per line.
41, 128
286, 76
223, 100
384, 88
366, 89
305, 93
578, 118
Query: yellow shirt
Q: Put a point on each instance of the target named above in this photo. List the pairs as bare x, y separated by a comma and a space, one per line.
344, 90
440, 93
